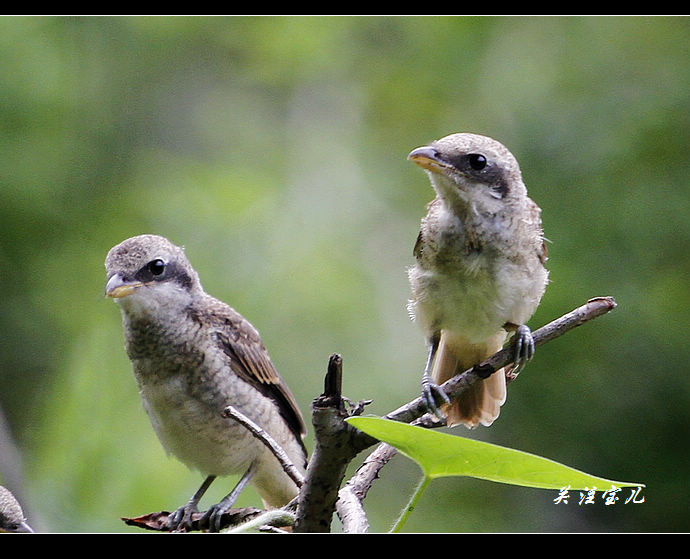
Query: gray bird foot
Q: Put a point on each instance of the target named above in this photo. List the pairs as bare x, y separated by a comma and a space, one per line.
213, 516
524, 348
433, 396
181, 519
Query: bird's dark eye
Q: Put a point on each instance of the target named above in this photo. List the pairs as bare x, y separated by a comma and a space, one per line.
477, 161
156, 267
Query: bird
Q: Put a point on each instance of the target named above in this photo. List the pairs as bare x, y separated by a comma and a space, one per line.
192, 356
479, 271
11, 513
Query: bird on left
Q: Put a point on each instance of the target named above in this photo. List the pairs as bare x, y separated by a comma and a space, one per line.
11, 513
192, 356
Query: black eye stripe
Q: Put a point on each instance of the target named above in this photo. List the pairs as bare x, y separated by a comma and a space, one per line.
480, 167
160, 270
471, 162
152, 270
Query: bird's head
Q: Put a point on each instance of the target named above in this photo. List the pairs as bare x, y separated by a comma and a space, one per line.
470, 170
148, 272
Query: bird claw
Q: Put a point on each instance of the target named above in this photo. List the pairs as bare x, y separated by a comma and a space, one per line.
431, 394
181, 519
524, 348
213, 517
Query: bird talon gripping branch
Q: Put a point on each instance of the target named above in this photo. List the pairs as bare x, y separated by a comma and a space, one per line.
524, 348
433, 397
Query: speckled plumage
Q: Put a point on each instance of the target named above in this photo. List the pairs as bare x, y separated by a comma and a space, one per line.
479, 270
11, 513
192, 356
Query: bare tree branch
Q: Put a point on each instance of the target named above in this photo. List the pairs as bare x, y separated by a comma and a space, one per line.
351, 496
415, 411
158, 521
458, 384
267, 440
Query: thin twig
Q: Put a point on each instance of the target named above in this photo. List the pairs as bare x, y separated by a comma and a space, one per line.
267, 440
158, 521
351, 496
458, 384
274, 518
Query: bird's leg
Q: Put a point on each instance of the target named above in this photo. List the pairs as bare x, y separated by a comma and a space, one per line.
431, 392
214, 514
524, 348
182, 517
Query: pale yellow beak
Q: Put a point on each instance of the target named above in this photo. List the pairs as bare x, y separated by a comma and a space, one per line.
426, 157
118, 287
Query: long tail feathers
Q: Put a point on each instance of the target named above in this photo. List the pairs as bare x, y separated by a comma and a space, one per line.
481, 404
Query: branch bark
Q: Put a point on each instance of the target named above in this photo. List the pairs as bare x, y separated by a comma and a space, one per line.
351, 510
333, 451
351, 497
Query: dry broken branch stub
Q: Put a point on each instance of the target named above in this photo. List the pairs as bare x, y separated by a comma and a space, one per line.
333, 451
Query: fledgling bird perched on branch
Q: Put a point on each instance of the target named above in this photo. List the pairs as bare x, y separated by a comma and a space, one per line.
11, 513
479, 271
192, 356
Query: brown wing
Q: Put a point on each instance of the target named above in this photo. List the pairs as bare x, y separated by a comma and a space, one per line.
241, 342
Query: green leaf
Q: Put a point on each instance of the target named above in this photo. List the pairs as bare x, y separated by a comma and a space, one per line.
442, 455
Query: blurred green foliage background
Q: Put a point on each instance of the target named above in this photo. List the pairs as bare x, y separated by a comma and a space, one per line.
274, 149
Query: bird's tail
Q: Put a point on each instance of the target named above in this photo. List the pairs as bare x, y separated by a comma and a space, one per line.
482, 402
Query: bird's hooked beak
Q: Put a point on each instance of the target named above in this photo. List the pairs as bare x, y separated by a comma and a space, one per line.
427, 157
118, 286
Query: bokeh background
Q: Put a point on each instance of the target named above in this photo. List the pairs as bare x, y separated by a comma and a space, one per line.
274, 149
